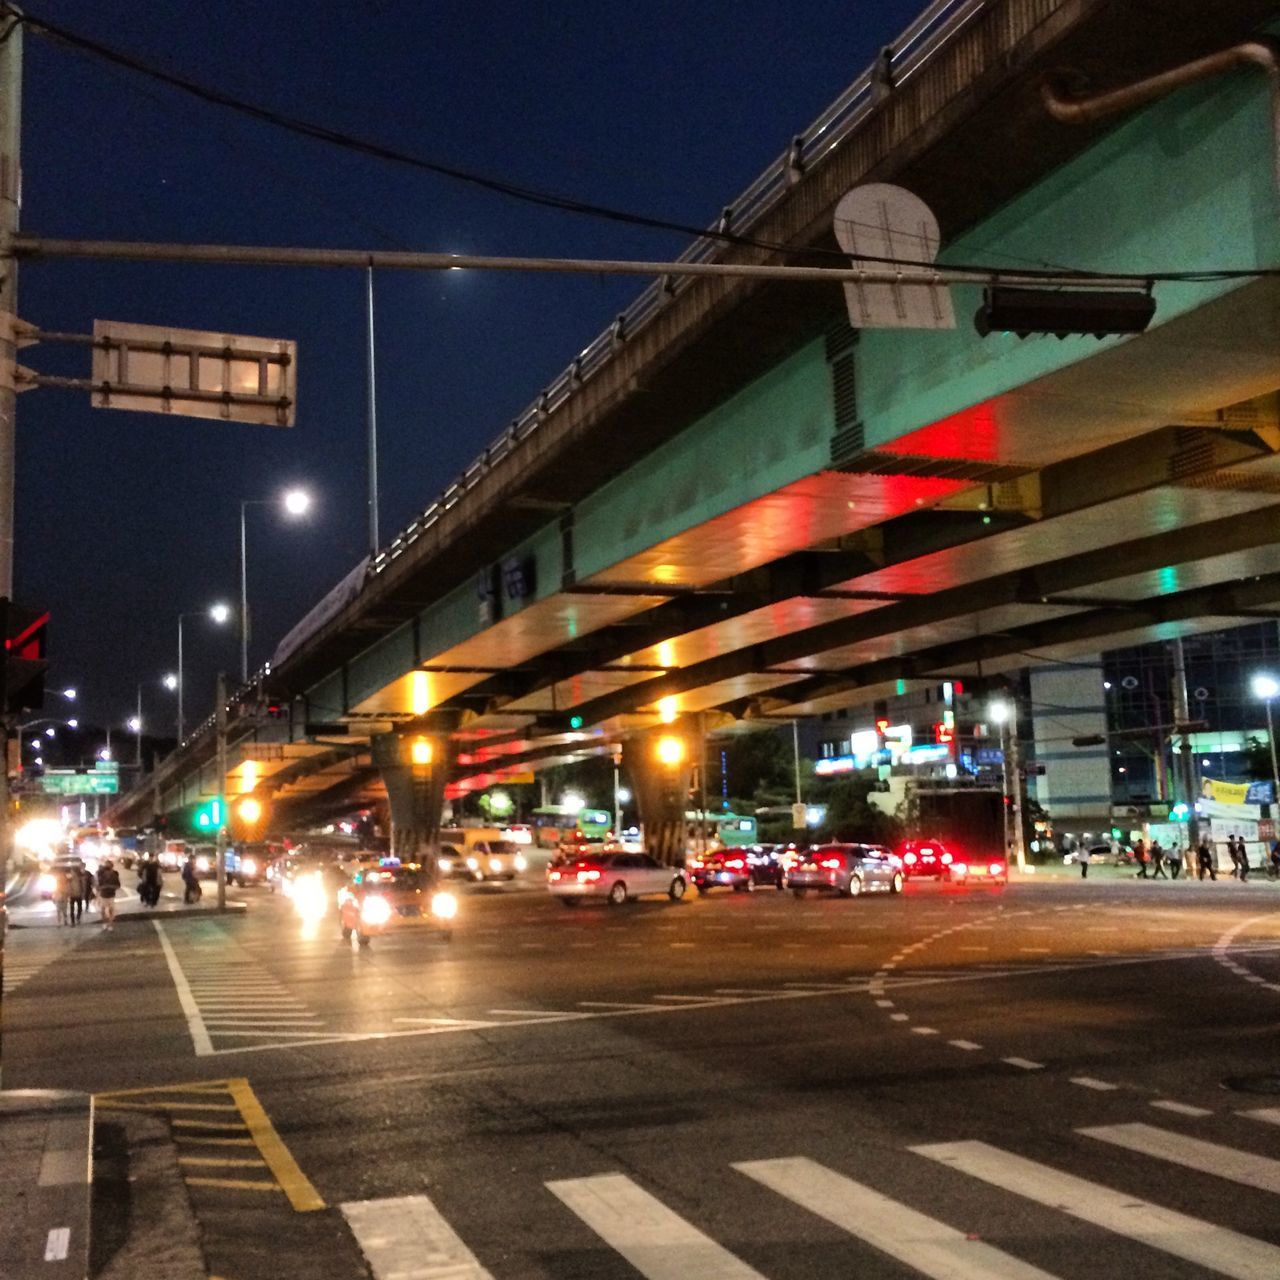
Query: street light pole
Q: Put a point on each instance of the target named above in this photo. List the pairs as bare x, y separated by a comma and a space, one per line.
244, 600
138, 755
181, 678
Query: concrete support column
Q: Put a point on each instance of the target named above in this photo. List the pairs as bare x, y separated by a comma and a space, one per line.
415, 768
660, 765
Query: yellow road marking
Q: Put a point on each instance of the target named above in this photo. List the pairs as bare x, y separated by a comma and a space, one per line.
228, 1162
293, 1182
219, 1142
223, 1126
233, 1184
198, 1086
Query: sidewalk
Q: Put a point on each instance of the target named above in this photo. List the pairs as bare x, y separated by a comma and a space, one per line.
1058, 873
46, 1171
129, 909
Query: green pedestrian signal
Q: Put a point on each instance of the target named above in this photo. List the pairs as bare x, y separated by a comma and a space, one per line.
575, 722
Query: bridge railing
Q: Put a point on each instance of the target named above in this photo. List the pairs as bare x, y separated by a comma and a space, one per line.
897, 62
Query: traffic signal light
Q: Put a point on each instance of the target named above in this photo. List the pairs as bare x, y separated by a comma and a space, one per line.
208, 816
1008, 309
575, 722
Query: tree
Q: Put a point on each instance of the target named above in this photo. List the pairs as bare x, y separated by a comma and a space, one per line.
850, 815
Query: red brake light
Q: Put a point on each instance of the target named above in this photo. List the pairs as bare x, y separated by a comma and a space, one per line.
553, 875
832, 864
584, 876
960, 868
909, 859
736, 863
927, 849
996, 868
946, 859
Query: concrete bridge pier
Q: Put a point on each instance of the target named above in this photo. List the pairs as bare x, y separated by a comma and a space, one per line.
415, 767
660, 765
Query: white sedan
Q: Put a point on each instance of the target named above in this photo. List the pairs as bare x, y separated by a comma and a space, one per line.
615, 877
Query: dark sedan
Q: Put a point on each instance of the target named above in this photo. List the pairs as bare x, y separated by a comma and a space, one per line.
846, 869
741, 870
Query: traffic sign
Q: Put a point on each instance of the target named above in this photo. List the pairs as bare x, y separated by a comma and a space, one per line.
67, 782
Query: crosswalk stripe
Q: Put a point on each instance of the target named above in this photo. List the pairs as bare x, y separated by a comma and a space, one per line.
1193, 1153
407, 1238
1268, 1115
930, 1246
1214, 1248
659, 1243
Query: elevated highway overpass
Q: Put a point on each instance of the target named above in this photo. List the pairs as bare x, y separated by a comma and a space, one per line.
734, 503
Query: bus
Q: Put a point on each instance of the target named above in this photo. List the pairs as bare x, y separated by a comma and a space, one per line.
555, 823
726, 830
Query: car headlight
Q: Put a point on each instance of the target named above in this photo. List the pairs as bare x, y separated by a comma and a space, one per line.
444, 906
495, 864
202, 864
445, 864
473, 864
519, 862
375, 910
48, 883
249, 867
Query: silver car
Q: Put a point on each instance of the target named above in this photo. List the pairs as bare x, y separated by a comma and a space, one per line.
846, 869
613, 877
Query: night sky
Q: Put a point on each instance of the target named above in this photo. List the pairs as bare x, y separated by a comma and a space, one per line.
125, 519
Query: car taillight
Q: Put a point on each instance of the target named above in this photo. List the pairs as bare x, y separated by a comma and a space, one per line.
584, 876
697, 864
910, 859
960, 868
996, 868
946, 859
736, 863
927, 850
553, 875
832, 864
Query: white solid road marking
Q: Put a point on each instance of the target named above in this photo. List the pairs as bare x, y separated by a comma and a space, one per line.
56, 1244
899, 1017
923, 1031
1024, 1063
1192, 1153
1212, 1247
1268, 1115
1181, 1108
406, 1238
195, 1023
659, 1243
1088, 1082
929, 1246
964, 1044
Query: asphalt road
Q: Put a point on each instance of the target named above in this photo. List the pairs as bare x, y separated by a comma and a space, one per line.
965, 1084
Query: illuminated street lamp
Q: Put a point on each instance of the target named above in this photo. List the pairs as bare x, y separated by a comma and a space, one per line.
295, 503
1001, 713
1266, 687
217, 613
670, 751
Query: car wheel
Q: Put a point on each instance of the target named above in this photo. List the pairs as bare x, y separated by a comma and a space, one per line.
346, 933
701, 888
854, 887
569, 902
676, 892
780, 884
799, 892
617, 893
750, 886
895, 885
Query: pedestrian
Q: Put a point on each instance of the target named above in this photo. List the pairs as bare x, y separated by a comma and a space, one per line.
191, 881
1242, 852
1175, 862
75, 891
108, 886
1205, 860
89, 890
1082, 857
149, 882
61, 896
1157, 861
1141, 857
1231, 853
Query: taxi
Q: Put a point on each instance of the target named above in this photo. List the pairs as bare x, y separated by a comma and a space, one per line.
393, 896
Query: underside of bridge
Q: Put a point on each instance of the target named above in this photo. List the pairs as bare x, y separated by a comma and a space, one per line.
756, 513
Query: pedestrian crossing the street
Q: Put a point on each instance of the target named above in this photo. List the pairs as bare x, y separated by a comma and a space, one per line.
659, 1235
237, 1004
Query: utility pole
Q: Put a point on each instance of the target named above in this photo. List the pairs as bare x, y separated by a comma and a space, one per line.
373, 421
222, 791
10, 190
1015, 771
1186, 762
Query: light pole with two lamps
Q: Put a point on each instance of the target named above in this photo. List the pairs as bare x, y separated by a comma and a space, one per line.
1005, 714
217, 613
296, 503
